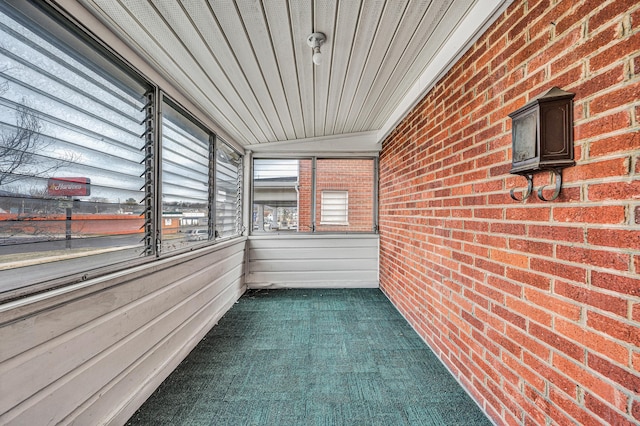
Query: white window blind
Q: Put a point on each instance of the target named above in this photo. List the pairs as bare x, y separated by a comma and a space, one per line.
334, 208
228, 196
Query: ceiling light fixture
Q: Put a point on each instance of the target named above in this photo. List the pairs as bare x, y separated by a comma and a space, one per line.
314, 41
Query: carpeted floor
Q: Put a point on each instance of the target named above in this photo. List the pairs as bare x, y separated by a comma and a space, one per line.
311, 357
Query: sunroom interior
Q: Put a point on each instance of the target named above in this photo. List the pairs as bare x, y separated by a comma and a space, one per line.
161, 159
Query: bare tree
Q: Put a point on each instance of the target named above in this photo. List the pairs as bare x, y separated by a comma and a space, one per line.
19, 148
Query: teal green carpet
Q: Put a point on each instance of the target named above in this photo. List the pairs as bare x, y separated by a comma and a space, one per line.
310, 357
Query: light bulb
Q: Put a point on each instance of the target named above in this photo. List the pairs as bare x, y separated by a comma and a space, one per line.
317, 57
314, 41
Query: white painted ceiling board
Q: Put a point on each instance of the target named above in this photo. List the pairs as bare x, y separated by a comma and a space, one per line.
206, 66
277, 16
257, 29
247, 65
413, 60
220, 58
301, 20
414, 15
324, 20
367, 26
342, 41
239, 44
389, 25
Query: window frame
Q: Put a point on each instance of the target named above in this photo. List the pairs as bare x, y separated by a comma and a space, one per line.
252, 193
214, 142
240, 196
315, 214
165, 99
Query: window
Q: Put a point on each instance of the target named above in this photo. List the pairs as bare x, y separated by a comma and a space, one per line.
207, 207
87, 186
314, 195
350, 185
334, 208
228, 191
185, 169
277, 188
72, 168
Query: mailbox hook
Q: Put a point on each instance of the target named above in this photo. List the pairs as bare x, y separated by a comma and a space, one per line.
558, 177
529, 178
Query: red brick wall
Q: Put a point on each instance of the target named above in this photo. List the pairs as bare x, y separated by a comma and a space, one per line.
534, 306
351, 175
356, 176
304, 195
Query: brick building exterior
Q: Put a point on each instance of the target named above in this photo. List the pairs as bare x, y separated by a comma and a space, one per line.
305, 187
355, 176
534, 306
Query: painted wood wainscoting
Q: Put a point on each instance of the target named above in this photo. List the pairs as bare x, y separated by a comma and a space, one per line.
92, 353
313, 261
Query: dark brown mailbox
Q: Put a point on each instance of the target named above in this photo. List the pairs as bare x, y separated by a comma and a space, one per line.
542, 137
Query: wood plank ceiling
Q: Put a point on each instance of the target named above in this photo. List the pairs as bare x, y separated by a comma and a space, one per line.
247, 64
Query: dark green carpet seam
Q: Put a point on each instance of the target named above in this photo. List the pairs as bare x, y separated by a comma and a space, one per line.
311, 357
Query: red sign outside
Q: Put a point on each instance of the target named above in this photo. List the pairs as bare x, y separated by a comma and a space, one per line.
69, 186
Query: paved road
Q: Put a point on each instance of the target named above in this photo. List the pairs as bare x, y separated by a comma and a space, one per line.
21, 271
15, 246
81, 268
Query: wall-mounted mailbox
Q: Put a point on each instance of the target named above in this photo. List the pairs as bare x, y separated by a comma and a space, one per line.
542, 138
